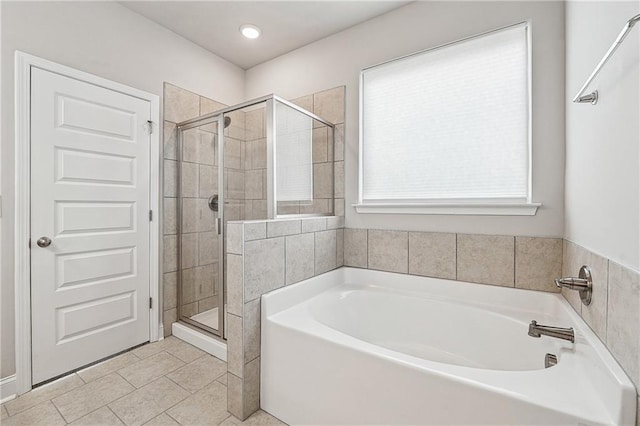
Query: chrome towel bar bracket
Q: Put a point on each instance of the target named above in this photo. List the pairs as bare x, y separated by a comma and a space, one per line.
592, 97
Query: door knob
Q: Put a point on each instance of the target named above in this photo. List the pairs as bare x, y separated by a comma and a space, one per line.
44, 242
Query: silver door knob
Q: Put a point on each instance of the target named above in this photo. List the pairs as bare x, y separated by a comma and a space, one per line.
44, 242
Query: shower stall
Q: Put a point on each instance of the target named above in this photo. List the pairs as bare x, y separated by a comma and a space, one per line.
263, 159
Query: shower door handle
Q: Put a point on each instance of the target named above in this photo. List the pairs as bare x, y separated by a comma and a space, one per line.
219, 225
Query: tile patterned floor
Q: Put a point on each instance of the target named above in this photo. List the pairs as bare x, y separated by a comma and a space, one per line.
165, 383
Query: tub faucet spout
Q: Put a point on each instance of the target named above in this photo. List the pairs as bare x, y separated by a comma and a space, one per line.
536, 330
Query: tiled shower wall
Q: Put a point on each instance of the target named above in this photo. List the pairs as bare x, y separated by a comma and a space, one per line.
263, 256
199, 181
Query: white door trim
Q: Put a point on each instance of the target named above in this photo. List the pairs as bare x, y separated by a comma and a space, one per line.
22, 275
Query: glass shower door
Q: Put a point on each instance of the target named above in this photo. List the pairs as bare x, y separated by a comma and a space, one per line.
200, 202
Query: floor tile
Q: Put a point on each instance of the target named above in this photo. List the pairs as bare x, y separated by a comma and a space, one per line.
151, 368
199, 373
207, 406
259, 418
3, 412
172, 345
147, 402
43, 393
41, 415
223, 379
162, 420
87, 398
109, 366
102, 416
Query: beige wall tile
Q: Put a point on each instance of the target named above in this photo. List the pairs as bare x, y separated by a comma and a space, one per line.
207, 304
254, 123
189, 215
339, 143
235, 299
314, 225
339, 247
43, 393
279, 228
106, 367
149, 401
623, 335
235, 348
339, 179
320, 141
199, 373
207, 148
253, 185
169, 317
208, 248
251, 330
189, 250
538, 263
102, 416
180, 104
170, 214
188, 286
149, 369
323, 180
432, 254
235, 184
305, 102
339, 207
169, 253
258, 150
208, 406
237, 126
169, 290
43, 414
299, 257
170, 136
486, 259
204, 281
234, 396
234, 238
208, 106
251, 387
170, 178
233, 153
255, 231
388, 250
325, 251
206, 217
208, 179
190, 177
335, 222
263, 267
355, 247
191, 145
330, 104
189, 309
85, 399
318, 206
572, 259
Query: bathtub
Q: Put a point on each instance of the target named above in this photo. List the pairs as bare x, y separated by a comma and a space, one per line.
356, 346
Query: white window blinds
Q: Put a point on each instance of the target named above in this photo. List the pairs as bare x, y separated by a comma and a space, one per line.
294, 167
449, 124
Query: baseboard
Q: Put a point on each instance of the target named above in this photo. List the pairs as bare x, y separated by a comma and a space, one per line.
200, 340
7, 388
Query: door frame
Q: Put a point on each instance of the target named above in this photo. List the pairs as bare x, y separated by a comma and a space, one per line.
22, 273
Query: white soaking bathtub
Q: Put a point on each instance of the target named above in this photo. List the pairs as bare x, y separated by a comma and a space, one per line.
355, 346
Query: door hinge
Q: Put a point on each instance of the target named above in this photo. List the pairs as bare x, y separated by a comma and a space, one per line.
150, 215
150, 303
150, 126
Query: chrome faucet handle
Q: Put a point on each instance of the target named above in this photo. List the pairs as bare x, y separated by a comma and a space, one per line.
583, 284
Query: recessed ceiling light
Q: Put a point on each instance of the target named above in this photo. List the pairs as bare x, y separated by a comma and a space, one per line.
250, 31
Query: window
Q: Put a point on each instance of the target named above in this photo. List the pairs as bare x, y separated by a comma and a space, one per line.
448, 128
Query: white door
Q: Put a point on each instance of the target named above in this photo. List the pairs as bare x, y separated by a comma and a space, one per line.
90, 198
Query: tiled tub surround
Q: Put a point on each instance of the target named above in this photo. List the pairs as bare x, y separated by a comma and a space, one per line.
263, 256
614, 313
521, 262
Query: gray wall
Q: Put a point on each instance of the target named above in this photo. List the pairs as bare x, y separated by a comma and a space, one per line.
108, 40
338, 59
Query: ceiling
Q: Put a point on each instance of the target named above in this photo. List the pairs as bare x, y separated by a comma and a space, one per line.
285, 25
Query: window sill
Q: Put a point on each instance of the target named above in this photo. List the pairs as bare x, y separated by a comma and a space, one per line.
495, 209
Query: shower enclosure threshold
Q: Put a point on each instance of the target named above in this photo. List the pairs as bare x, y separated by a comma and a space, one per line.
207, 343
